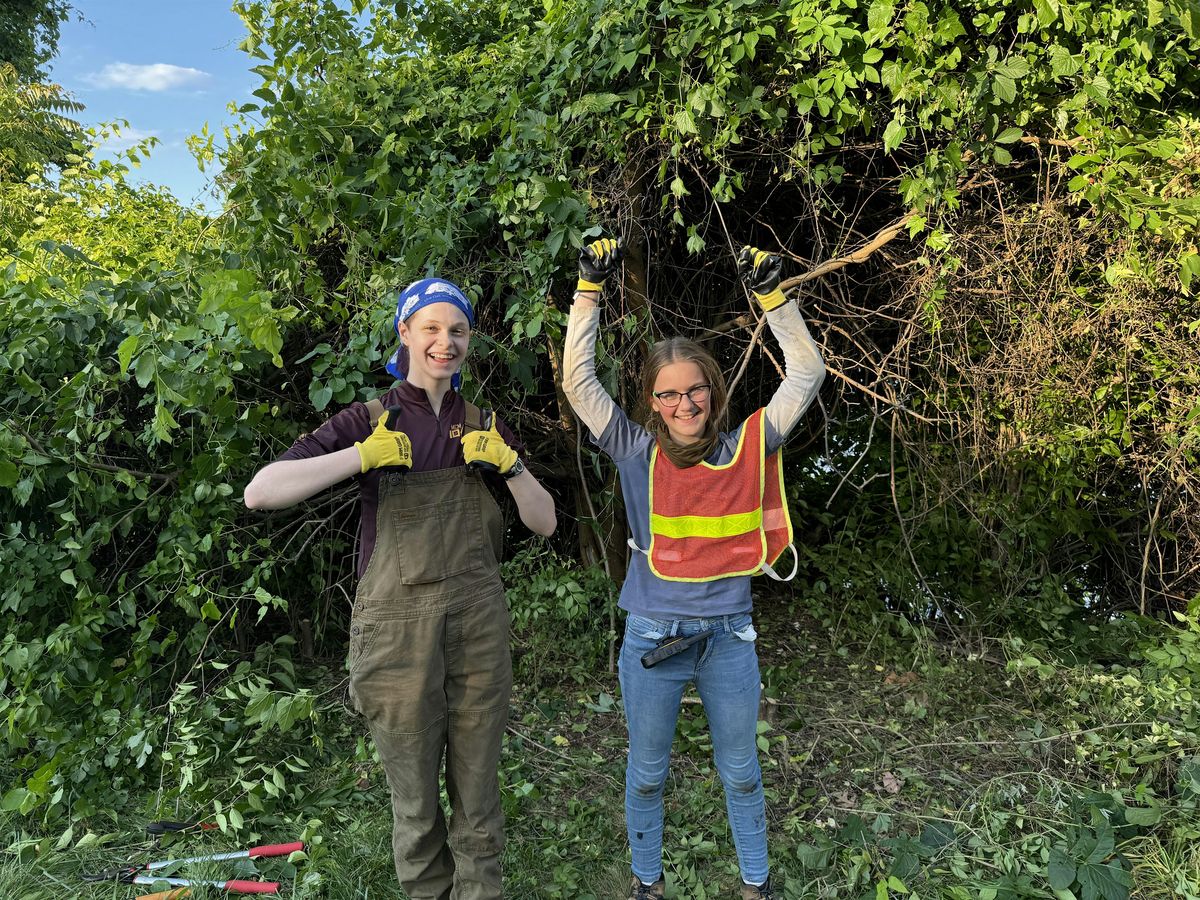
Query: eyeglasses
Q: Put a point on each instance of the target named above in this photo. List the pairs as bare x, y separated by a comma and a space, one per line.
670, 399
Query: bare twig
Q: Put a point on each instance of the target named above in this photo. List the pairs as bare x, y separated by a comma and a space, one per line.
859, 255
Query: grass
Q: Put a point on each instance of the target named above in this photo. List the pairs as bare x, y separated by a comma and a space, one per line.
891, 769
1166, 869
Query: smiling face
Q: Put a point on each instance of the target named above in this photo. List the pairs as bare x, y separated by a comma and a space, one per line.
685, 422
437, 336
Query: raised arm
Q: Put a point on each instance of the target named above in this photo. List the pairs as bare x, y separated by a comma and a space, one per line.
804, 370
586, 395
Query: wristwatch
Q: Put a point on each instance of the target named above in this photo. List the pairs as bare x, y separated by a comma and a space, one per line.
517, 468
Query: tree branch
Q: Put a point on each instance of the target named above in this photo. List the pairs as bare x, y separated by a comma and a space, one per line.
881, 238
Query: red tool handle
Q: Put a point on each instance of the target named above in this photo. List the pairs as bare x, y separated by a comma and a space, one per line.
275, 849
251, 887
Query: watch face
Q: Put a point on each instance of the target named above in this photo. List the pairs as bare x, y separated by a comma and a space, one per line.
517, 468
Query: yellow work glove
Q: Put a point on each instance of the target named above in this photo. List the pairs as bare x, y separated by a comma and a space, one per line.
761, 272
597, 261
385, 447
487, 450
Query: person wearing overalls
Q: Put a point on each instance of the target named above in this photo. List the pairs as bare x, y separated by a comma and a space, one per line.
429, 657
706, 511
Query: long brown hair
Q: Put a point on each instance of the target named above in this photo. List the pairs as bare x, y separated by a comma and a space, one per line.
680, 349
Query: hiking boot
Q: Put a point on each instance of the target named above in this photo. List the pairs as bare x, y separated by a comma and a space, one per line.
758, 891
639, 891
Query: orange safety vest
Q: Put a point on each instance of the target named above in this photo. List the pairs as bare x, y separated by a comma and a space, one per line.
745, 526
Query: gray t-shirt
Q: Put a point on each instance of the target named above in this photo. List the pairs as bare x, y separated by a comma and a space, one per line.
629, 445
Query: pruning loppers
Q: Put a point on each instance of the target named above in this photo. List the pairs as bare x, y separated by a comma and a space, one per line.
164, 827
138, 874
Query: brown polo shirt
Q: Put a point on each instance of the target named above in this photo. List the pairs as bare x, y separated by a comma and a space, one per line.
435, 445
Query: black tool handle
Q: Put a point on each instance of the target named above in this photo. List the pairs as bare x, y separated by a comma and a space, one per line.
668, 647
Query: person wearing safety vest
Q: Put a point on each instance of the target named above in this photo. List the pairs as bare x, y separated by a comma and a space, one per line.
706, 512
429, 664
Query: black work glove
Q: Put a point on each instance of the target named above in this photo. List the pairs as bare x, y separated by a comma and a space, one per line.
761, 272
597, 261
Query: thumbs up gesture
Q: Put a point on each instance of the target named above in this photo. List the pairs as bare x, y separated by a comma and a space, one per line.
487, 450
385, 447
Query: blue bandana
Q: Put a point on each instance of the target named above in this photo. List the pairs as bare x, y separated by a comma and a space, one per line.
420, 294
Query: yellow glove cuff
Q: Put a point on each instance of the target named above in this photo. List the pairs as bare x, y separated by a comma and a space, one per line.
772, 300
362, 456
585, 285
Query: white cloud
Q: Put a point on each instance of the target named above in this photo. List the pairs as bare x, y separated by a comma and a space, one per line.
156, 77
126, 139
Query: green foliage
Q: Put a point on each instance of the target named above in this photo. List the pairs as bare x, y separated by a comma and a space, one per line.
559, 613
1087, 868
549, 591
29, 33
154, 358
477, 142
92, 209
1038, 478
35, 134
33, 130
487, 142
982, 796
126, 417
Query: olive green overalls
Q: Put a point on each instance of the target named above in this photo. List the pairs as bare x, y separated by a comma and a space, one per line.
430, 670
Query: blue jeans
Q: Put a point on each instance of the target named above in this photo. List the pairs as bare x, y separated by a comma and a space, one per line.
725, 670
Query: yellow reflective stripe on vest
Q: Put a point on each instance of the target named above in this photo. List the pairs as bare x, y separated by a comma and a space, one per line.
706, 526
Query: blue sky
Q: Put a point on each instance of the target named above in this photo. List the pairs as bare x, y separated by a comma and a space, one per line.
168, 68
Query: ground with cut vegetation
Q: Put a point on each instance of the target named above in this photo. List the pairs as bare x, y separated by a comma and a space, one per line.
895, 765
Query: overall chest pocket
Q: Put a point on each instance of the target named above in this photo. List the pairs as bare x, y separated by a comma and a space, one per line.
438, 540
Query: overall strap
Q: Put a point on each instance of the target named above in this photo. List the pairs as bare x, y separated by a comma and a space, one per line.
476, 419
374, 410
